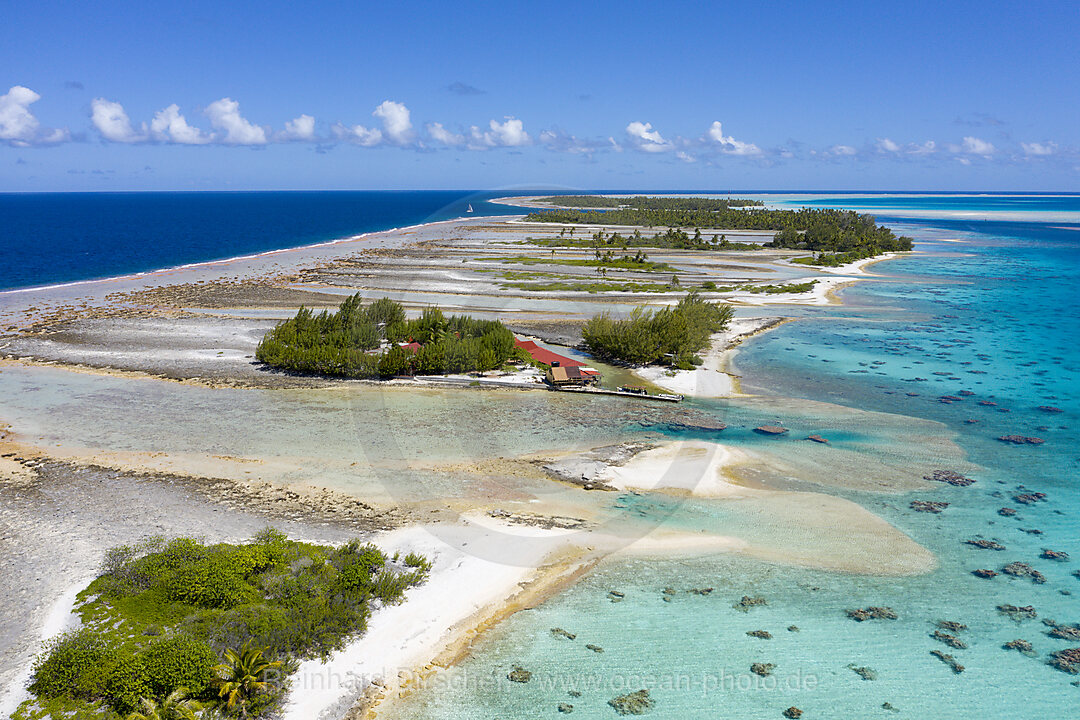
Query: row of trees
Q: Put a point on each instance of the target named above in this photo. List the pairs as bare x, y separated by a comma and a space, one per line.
670, 239
825, 230
643, 202
669, 336
342, 343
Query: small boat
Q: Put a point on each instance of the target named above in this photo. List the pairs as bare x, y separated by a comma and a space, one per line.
672, 397
633, 390
470, 208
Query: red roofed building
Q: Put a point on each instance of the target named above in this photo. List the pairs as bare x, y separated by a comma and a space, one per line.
545, 356
561, 370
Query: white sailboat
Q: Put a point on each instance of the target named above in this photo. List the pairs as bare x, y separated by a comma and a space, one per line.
470, 208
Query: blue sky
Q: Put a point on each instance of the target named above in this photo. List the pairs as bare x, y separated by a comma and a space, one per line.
629, 95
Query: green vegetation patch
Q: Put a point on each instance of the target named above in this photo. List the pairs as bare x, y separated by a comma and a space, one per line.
346, 343
670, 336
594, 287
178, 626
639, 262
823, 230
670, 239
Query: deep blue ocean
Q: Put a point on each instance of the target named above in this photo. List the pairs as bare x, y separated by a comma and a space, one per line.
49, 238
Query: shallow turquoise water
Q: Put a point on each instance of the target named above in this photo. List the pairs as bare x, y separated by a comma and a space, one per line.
992, 315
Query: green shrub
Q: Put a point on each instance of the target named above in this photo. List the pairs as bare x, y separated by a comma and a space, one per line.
179, 662
75, 664
417, 561
389, 586
128, 683
671, 336
365, 555
219, 578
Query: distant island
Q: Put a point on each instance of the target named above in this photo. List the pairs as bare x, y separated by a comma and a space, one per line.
836, 237
644, 202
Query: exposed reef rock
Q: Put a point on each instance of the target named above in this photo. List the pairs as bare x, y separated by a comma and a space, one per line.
583, 469
982, 573
948, 660
1021, 440
951, 626
519, 675
594, 648
771, 430
950, 477
792, 713
1019, 569
950, 640
1066, 660
928, 506
635, 703
565, 708
748, 602
615, 596
864, 672
1029, 498
700, 591
1022, 646
985, 544
1018, 613
818, 439
1064, 632
762, 669
763, 634
1007, 512
559, 632
872, 613
1050, 409
1059, 555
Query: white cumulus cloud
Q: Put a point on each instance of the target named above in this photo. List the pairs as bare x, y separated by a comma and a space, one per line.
729, 144
397, 125
974, 146
845, 150
645, 138
169, 125
1048, 148
225, 115
509, 133
441, 134
301, 128
927, 148
113, 123
17, 124
887, 145
358, 134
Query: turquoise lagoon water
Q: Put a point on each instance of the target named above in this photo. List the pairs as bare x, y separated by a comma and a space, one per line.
985, 313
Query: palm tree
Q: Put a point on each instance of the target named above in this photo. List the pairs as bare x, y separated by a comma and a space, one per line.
243, 676
175, 706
